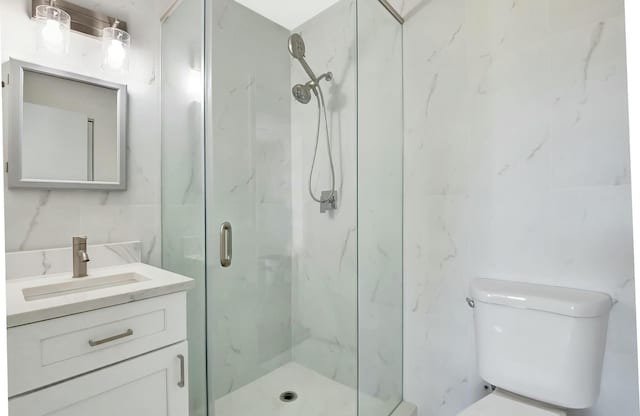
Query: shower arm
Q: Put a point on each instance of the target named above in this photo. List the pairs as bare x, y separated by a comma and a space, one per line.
315, 83
327, 75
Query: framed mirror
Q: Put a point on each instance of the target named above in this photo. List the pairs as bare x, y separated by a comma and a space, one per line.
67, 131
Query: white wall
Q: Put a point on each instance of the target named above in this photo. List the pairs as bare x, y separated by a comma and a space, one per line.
517, 167
286, 13
45, 219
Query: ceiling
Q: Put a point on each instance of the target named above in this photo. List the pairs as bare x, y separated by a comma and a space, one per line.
288, 13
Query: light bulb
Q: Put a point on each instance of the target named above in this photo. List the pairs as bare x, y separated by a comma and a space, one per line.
51, 34
115, 49
55, 26
116, 54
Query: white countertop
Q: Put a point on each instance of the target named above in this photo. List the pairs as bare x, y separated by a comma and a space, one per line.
158, 282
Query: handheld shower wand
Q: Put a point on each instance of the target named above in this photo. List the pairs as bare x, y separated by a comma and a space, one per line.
297, 49
302, 93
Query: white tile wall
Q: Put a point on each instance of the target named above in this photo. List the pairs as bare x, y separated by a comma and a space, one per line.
516, 167
45, 219
408, 8
59, 260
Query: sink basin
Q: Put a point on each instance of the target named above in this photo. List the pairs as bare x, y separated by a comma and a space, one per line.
39, 298
78, 285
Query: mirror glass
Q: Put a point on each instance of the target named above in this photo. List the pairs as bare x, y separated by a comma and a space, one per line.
68, 130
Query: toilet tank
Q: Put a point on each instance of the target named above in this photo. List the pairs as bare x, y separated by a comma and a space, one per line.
543, 342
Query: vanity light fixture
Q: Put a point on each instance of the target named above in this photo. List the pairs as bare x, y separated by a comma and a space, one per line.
54, 27
115, 48
59, 17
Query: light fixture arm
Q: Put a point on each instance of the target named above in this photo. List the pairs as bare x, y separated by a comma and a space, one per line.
88, 21
60, 17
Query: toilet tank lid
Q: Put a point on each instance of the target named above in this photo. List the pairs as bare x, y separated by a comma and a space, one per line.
560, 300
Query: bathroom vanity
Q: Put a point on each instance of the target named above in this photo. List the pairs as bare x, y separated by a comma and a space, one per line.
112, 343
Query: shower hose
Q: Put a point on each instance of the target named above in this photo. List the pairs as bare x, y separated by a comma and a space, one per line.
322, 111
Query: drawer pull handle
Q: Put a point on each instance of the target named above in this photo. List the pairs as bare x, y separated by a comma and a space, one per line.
128, 333
181, 382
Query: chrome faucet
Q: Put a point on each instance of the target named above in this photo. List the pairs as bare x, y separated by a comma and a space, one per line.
80, 256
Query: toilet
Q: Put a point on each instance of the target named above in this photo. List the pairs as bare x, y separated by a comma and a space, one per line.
541, 346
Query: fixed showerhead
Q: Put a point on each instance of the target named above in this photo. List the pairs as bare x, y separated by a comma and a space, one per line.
296, 46
302, 93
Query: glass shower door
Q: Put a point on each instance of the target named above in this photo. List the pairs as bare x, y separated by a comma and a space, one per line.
380, 210
248, 205
281, 309
183, 233
302, 306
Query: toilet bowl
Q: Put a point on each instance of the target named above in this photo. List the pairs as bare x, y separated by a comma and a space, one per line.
502, 403
542, 347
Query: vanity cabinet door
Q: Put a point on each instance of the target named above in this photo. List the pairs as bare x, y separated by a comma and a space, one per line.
154, 384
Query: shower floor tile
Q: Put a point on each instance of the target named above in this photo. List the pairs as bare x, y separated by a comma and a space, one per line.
317, 395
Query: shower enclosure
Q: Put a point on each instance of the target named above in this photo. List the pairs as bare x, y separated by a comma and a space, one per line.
290, 223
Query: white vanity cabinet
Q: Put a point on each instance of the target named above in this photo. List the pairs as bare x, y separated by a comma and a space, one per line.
153, 384
124, 360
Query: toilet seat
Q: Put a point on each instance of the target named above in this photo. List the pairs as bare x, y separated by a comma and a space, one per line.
502, 403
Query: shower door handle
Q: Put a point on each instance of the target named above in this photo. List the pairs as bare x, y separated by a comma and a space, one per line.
226, 244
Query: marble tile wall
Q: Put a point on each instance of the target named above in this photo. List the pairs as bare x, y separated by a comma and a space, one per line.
407, 8
324, 245
59, 260
44, 219
516, 167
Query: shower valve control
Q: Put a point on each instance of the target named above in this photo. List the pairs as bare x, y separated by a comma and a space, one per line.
329, 201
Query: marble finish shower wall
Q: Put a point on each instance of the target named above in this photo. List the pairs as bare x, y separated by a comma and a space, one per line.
249, 185
324, 245
47, 219
516, 167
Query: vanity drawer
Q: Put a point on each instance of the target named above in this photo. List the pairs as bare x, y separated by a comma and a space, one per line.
46, 352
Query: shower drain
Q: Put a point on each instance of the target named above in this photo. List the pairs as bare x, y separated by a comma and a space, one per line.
288, 396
